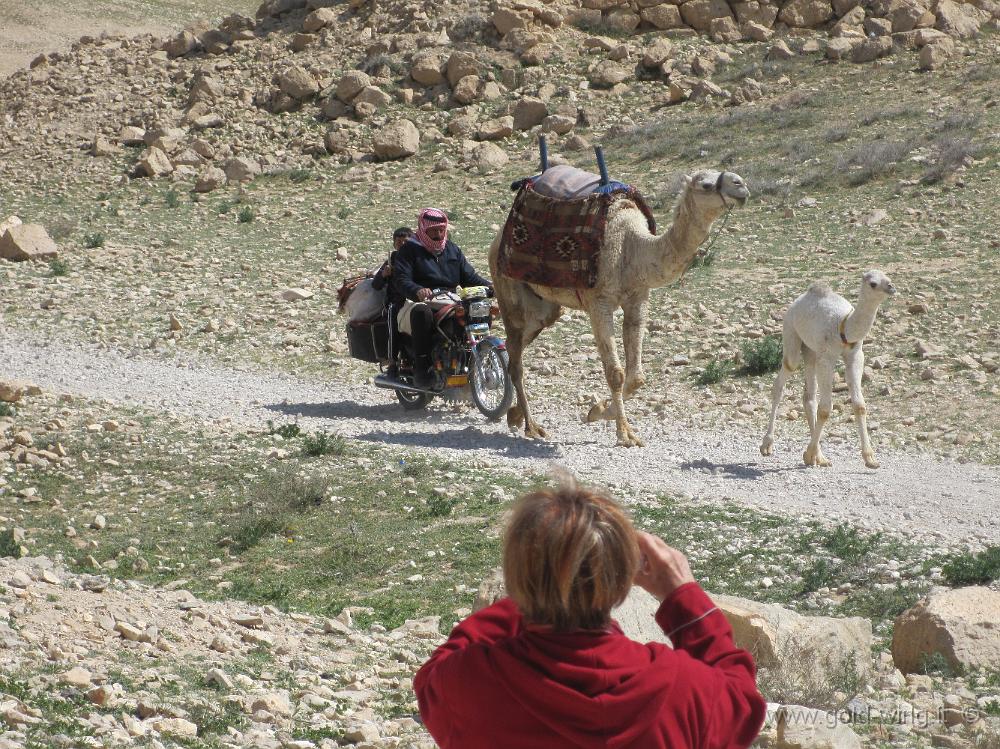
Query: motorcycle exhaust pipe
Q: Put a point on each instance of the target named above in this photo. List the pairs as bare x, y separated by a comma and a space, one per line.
383, 381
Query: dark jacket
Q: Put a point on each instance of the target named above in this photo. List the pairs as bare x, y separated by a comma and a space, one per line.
498, 682
415, 268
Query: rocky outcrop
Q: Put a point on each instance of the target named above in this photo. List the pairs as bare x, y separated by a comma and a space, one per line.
27, 242
962, 626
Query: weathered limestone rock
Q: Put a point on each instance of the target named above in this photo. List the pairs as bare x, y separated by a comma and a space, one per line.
666, 16
351, 84
297, 82
805, 728
487, 156
529, 112
319, 19
426, 68
467, 89
933, 56
460, 65
210, 179
154, 163
958, 19
502, 127
961, 625
241, 169
397, 140
780, 638
698, 14
806, 14
27, 242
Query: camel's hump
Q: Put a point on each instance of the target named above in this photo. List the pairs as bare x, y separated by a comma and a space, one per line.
820, 289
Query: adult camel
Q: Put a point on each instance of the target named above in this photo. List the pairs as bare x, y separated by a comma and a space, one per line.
632, 261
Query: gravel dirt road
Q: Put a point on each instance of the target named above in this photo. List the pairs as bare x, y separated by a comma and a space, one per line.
929, 497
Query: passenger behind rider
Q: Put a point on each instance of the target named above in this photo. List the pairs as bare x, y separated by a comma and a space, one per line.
427, 261
383, 274
382, 278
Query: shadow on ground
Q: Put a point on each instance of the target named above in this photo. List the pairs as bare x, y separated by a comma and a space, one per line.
745, 471
469, 438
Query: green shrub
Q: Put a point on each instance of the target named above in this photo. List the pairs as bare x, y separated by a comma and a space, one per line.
323, 443
762, 355
343, 212
715, 372
93, 241
950, 155
246, 214
872, 159
285, 431
8, 546
58, 267
172, 198
973, 569
299, 175
7, 409
439, 505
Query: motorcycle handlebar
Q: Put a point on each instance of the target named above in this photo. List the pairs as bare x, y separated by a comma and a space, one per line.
489, 292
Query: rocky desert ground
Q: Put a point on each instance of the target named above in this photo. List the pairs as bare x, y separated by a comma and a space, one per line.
214, 531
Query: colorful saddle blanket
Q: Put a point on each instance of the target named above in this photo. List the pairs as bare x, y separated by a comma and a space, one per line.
557, 243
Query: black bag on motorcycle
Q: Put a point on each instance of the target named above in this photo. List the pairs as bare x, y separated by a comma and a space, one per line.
369, 340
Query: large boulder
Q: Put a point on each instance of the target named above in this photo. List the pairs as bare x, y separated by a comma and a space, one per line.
319, 19
529, 112
426, 68
461, 64
351, 84
211, 178
958, 19
962, 626
664, 16
241, 169
154, 163
798, 727
397, 140
27, 242
793, 647
297, 82
698, 14
807, 14
487, 157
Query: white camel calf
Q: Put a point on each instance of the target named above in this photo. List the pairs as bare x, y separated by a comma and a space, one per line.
821, 327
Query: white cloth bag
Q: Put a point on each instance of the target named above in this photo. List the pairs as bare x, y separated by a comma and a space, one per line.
365, 302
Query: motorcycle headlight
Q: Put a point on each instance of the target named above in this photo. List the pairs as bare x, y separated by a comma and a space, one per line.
480, 308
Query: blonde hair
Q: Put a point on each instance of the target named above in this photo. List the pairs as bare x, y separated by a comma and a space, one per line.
570, 555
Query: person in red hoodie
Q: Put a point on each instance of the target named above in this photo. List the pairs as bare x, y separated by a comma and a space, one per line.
548, 668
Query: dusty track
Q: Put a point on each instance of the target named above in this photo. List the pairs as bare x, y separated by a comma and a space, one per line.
929, 497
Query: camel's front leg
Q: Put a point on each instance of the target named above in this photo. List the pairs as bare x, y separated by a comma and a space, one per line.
813, 456
602, 321
633, 329
855, 363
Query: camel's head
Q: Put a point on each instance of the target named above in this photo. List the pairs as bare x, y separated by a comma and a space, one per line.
708, 186
877, 282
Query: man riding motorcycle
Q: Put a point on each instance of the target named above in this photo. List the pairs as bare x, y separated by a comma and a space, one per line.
427, 261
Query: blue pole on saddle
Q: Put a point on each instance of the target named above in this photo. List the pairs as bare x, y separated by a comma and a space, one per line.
543, 150
601, 165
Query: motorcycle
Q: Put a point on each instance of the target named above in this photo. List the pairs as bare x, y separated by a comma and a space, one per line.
465, 353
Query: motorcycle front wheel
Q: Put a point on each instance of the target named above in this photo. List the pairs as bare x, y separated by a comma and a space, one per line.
492, 389
411, 401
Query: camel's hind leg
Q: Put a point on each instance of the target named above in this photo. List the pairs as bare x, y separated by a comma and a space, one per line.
813, 456
790, 360
602, 322
523, 322
855, 363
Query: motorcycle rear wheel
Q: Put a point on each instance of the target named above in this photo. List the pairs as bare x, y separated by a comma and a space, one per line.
411, 401
490, 383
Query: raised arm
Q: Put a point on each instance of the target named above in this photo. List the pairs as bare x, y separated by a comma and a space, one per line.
721, 677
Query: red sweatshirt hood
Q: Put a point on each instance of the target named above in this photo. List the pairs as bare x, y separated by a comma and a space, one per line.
597, 689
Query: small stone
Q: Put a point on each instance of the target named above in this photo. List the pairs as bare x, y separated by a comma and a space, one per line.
19, 579
296, 295
99, 523
76, 677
